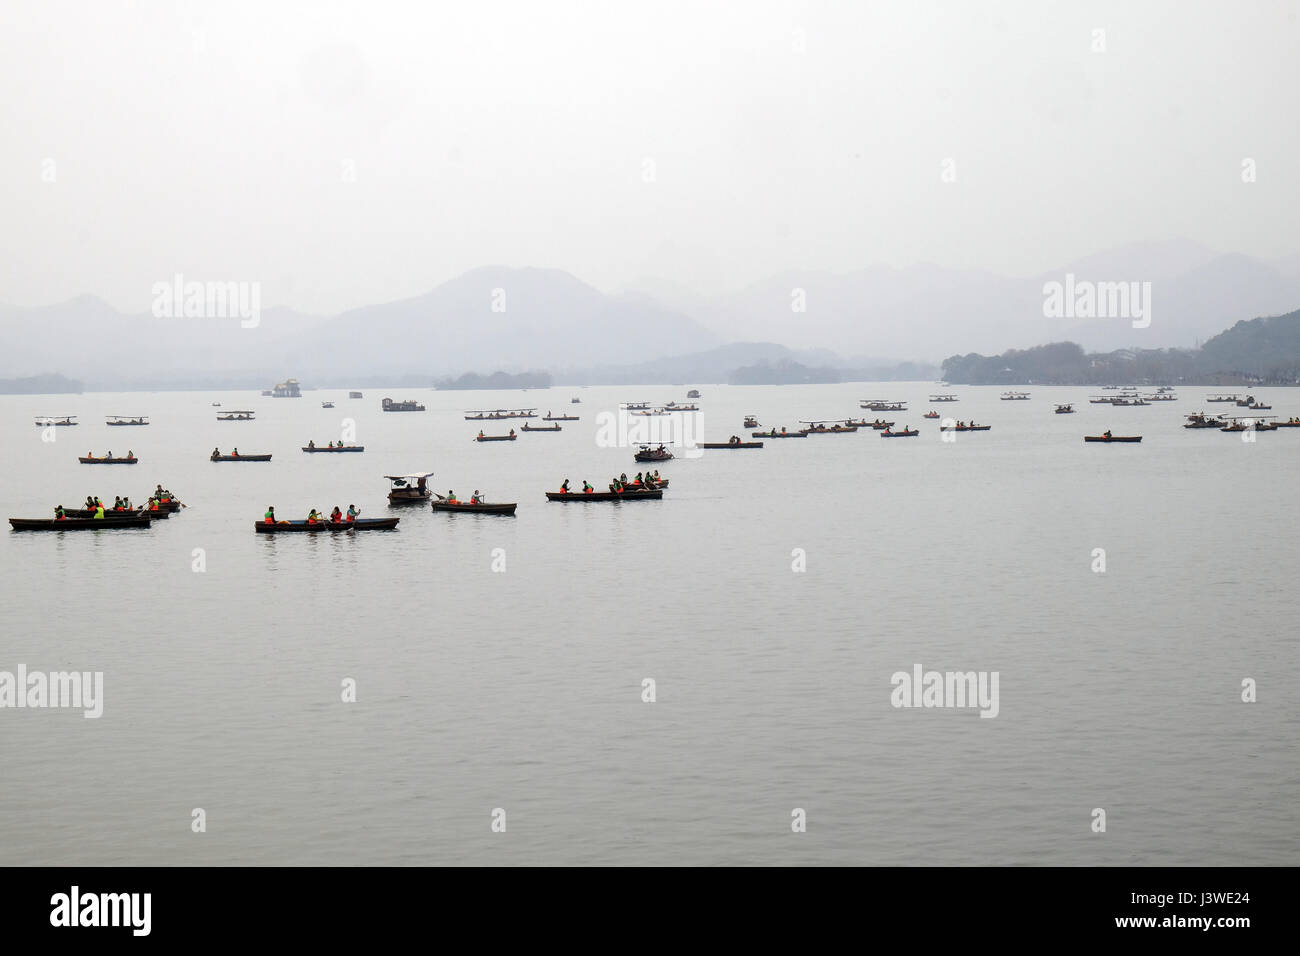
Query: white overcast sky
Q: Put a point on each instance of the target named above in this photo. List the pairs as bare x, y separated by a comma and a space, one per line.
215, 139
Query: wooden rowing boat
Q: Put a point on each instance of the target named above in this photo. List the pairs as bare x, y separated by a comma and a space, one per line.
495, 437
539, 428
359, 524
111, 515
486, 508
108, 461
604, 495
964, 428
731, 444
561, 418
903, 434
239, 457
775, 434
1113, 438
313, 449
77, 524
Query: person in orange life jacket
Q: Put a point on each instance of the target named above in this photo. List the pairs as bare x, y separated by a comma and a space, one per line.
336, 515
352, 513
314, 517
269, 517
59, 514
451, 496
586, 488
564, 488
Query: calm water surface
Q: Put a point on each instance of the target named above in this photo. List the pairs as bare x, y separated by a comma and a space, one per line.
521, 689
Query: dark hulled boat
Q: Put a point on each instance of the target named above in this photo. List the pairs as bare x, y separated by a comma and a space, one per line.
77, 524
239, 457
561, 418
359, 524
776, 434
539, 428
604, 495
485, 508
731, 444
313, 449
1106, 439
495, 437
108, 461
110, 515
903, 434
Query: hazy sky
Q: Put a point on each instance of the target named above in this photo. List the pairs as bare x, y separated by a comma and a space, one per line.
349, 153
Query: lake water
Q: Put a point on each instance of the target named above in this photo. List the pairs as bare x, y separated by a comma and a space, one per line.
521, 688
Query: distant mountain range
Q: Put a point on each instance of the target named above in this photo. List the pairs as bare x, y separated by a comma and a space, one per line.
1264, 351
927, 312
514, 320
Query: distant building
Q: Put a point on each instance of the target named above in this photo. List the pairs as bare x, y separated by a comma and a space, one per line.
287, 389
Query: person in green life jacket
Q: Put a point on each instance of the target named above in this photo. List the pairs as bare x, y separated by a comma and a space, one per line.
269, 517
474, 499
126, 504
313, 517
352, 513
235, 453
99, 508
59, 514
587, 489
451, 496
480, 433
117, 502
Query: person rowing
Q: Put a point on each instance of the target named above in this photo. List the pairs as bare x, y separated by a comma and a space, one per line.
59, 514
311, 443
99, 509
451, 496
564, 488
1106, 433
269, 517
586, 488
480, 433
352, 513
216, 453
336, 516
235, 453
313, 517
474, 499
117, 502
90, 503
512, 433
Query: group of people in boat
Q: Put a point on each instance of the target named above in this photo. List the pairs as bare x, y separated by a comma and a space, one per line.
129, 455
311, 444
644, 481
481, 435
121, 504
314, 517
475, 499
216, 453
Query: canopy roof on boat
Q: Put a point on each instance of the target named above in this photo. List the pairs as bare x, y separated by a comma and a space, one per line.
52, 417
410, 476
126, 416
